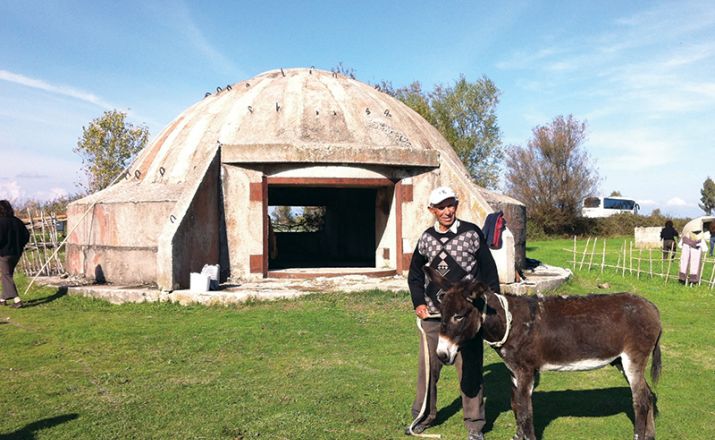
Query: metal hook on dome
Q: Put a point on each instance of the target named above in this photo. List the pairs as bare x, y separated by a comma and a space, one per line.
335, 74
311, 70
248, 84
282, 72
137, 174
172, 218
278, 107
126, 175
317, 112
228, 87
367, 110
335, 113
162, 171
250, 109
219, 89
387, 113
207, 94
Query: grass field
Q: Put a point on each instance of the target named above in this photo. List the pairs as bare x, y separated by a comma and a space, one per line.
326, 366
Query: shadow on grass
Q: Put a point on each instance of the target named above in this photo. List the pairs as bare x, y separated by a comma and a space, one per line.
549, 405
61, 291
28, 431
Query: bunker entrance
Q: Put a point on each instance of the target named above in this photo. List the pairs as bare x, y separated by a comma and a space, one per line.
319, 227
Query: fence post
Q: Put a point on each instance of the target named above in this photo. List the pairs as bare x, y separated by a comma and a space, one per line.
585, 249
625, 257
650, 262
603, 256
593, 251
574, 253
630, 259
638, 273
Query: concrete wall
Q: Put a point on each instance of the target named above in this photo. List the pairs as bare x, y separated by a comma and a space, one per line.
196, 241
385, 229
244, 220
648, 237
116, 241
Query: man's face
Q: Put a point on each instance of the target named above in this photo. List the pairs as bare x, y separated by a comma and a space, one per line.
445, 212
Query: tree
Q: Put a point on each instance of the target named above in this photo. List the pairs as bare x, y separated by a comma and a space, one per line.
552, 174
108, 144
616, 194
707, 196
465, 114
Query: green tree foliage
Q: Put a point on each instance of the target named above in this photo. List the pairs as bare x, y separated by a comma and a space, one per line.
465, 114
107, 146
552, 174
707, 196
283, 218
298, 219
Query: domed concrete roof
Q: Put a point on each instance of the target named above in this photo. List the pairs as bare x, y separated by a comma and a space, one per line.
275, 115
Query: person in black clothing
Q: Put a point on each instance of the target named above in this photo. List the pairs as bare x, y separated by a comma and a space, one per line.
13, 238
668, 234
458, 250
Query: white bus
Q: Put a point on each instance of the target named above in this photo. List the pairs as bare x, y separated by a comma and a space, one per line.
595, 207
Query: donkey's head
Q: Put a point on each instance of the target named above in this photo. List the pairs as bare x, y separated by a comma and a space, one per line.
462, 303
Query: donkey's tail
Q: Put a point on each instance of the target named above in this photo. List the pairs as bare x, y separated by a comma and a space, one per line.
656, 362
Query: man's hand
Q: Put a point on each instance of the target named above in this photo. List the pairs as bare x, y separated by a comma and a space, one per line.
421, 311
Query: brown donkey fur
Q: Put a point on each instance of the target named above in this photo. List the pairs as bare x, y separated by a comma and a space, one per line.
533, 334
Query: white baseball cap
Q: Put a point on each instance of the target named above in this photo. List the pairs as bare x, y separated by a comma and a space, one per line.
440, 194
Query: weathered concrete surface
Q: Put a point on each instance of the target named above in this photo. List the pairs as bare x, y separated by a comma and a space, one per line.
339, 154
195, 188
648, 237
541, 280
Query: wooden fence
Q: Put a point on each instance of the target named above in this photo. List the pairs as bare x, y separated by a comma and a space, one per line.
633, 261
46, 233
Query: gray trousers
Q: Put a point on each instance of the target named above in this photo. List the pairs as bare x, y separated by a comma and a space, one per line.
469, 371
7, 270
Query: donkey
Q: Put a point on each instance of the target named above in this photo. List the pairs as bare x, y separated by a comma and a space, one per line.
533, 334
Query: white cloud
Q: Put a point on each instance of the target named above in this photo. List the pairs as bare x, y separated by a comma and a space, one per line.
11, 190
677, 202
39, 84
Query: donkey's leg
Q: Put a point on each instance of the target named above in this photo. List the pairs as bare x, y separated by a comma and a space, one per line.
634, 370
652, 410
523, 386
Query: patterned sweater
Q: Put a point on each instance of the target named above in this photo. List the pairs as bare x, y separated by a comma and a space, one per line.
461, 253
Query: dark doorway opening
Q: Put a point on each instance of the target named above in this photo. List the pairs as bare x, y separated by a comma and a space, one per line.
331, 227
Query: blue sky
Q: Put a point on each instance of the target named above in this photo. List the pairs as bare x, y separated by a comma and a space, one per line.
640, 73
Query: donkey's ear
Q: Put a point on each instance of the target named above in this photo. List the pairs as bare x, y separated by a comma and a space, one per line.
475, 290
437, 278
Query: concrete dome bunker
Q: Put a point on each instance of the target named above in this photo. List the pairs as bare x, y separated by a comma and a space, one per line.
200, 192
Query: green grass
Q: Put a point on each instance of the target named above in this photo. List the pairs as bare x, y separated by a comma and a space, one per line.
328, 366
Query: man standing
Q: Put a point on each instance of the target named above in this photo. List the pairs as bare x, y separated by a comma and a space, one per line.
458, 250
13, 238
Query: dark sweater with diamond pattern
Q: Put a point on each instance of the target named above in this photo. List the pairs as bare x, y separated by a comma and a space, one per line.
460, 255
